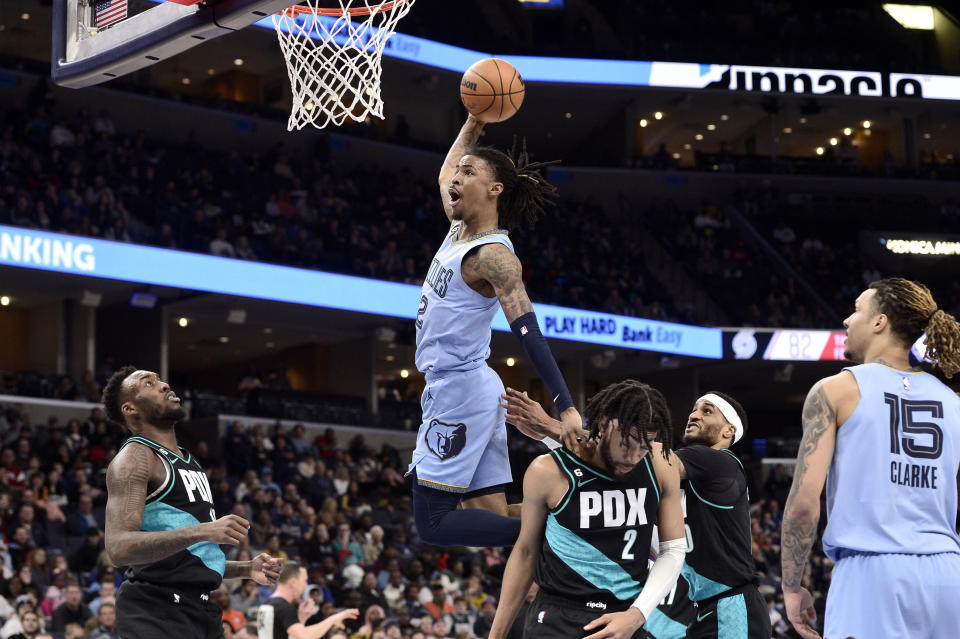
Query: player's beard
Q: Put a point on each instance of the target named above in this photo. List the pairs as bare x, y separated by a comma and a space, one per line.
704, 435
167, 417
608, 462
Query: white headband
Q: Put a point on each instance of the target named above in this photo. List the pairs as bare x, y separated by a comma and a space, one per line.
728, 413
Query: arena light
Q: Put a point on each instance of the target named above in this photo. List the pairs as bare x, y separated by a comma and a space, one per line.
911, 16
847, 131
834, 141
511, 361
404, 373
643, 122
866, 124
4, 301
183, 322
819, 150
658, 115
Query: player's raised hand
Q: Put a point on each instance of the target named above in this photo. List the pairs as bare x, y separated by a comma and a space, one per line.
229, 529
572, 435
616, 625
265, 570
800, 612
528, 416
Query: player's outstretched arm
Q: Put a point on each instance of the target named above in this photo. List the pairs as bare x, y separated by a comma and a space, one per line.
671, 553
802, 512
541, 479
497, 265
126, 544
468, 136
321, 628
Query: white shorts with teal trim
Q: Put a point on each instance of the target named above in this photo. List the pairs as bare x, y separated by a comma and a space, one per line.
462, 441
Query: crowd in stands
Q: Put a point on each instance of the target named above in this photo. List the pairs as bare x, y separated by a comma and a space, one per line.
340, 509
78, 175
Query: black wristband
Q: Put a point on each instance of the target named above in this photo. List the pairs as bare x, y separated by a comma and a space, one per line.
527, 330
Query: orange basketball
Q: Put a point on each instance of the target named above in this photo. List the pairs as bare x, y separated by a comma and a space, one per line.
492, 90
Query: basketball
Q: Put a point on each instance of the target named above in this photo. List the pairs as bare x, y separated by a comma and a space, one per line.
492, 90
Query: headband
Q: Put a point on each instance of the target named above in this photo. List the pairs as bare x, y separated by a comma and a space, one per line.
728, 412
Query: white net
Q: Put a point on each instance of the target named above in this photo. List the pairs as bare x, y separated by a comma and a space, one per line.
333, 61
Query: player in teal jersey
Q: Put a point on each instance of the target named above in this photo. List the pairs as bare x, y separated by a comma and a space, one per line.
587, 523
885, 438
160, 521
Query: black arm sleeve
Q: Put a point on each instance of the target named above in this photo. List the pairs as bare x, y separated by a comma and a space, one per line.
717, 474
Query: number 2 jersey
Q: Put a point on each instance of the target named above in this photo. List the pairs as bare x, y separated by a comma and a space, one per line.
892, 485
453, 320
183, 499
596, 541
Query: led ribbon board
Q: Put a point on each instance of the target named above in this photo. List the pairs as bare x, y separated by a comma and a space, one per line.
163, 267
785, 345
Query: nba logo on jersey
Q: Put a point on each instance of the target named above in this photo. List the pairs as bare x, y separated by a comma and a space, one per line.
906, 383
541, 616
176, 598
446, 440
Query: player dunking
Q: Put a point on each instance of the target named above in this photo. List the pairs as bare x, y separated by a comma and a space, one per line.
588, 522
160, 521
885, 437
461, 454
719, 568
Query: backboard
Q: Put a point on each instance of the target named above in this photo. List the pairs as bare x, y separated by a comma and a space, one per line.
84, 55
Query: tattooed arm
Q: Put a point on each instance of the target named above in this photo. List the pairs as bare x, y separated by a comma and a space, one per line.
468, 136
126, 543
494, 266
802, 512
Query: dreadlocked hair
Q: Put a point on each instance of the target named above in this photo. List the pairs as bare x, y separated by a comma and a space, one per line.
525, 191
632, 404
911, 309
111, 395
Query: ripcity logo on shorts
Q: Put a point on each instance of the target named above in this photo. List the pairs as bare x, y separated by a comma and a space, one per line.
596, 604
445, 440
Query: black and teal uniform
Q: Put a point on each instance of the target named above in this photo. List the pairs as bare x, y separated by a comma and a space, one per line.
593, 559
719, 567
171, 597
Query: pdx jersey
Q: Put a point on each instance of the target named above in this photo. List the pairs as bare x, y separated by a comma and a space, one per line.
595, 546
183, 499
453, 320
892, 484
717, 511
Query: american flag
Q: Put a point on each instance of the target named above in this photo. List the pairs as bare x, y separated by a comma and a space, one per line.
109, 11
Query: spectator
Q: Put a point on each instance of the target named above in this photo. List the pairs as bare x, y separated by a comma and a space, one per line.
106, 592
72, 610
24, 604
484, 622
30, 626
232, 616
106, 623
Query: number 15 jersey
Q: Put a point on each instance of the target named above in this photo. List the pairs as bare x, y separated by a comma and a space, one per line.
892, 485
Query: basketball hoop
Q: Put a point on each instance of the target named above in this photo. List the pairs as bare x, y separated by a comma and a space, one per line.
333, 61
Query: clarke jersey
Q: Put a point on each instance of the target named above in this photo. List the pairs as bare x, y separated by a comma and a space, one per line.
595, 547
892, 485
717, 510
184, 499
453, 320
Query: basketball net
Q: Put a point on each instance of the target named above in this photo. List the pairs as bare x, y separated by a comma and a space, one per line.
333, 58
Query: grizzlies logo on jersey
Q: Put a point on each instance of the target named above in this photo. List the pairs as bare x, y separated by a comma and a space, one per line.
445, 440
